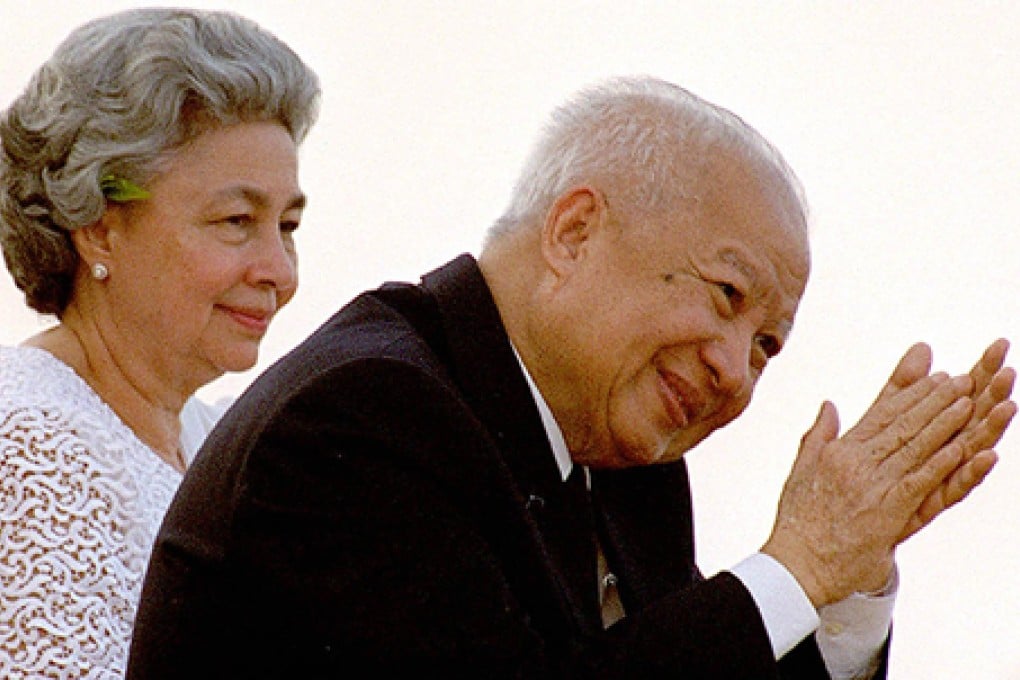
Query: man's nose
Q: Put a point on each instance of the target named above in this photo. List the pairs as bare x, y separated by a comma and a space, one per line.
729, 360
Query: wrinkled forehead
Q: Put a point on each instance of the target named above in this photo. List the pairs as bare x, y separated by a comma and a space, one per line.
750, 217
756, 199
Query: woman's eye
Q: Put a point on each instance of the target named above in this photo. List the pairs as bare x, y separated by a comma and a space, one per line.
232, 228
233, 222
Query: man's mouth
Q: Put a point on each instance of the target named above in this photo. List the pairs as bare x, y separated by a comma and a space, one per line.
683, 402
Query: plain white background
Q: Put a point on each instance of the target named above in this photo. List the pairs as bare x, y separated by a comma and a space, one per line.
902, 119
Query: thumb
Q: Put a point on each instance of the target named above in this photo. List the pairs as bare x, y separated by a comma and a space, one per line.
823, 431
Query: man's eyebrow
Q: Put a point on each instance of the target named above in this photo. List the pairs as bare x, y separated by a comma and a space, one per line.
734, 259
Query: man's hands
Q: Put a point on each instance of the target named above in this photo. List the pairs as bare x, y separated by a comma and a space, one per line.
921, 447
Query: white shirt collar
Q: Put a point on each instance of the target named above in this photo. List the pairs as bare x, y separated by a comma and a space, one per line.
552, 428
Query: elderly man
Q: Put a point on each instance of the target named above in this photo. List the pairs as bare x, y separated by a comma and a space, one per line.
482, 475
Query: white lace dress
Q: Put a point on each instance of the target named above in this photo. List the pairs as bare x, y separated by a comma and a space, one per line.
81, 499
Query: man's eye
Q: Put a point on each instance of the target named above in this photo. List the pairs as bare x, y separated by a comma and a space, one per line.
734, 296
768, 344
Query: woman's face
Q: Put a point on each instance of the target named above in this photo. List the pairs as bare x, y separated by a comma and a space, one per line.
199, 269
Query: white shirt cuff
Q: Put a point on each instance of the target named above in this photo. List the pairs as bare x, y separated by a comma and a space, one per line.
850, 633
853, 631
787, 612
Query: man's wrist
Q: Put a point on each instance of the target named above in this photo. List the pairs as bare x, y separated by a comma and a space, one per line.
785, 609
805, 577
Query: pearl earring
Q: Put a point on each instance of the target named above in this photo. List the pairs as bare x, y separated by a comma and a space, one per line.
99, 271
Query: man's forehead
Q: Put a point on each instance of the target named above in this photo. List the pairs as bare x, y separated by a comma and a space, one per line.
773, 270
731, 257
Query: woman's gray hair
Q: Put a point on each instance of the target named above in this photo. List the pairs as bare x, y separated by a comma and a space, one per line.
644, 140
118, 97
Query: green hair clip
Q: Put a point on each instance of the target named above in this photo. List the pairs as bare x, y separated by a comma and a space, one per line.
121, 190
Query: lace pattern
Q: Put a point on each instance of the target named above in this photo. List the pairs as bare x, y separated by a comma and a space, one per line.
81, 499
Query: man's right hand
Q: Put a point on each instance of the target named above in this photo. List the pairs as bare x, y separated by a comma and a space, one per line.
921, 447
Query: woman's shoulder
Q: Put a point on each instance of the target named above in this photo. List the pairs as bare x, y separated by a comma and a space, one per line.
42, 398
40, 391
57, 432
76, 492
18, 360
30, 376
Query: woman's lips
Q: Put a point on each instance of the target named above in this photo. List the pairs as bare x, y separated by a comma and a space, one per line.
256, 320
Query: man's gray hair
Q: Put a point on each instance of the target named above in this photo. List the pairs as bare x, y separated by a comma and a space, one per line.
644, 140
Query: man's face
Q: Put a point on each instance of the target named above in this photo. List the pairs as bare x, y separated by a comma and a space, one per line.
674, 318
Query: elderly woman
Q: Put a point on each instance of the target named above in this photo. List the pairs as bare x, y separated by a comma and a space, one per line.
148, 199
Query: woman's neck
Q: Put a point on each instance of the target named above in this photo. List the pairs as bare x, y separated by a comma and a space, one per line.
150, 409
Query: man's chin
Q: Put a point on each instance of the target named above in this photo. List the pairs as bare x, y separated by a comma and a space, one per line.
657, 449
648, 455
680, 444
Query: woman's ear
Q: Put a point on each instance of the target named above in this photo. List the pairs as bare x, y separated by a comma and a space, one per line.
93, 241
575, 217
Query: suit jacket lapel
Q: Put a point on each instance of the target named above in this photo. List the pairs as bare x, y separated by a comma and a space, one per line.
649, 544
484, 367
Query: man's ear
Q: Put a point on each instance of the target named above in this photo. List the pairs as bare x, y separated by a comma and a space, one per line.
574, 218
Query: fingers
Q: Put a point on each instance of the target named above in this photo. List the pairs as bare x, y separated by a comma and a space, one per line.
922, 446
989, 364
992, 382
888, 409
1002, 384
915, 364
906, 385
964, 460
988, 382
912, 368
823, 430
986, 433
912, 436
961, 480
996, 390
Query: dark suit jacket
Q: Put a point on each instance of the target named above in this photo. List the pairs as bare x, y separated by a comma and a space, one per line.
385, 498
